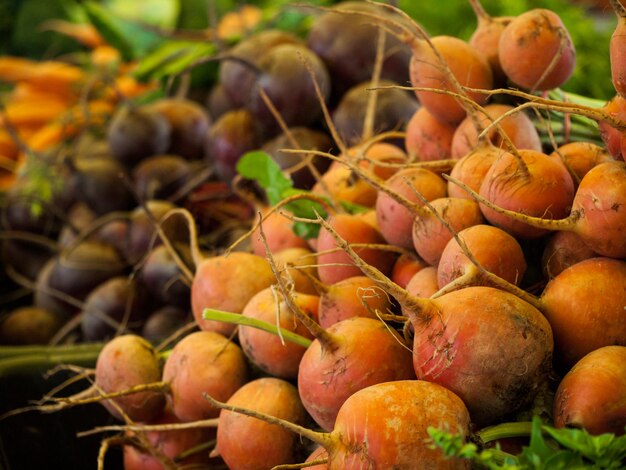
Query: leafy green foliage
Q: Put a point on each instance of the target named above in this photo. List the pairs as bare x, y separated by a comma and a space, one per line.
162, 13
132, 39
260, 167
173, 57
549, 448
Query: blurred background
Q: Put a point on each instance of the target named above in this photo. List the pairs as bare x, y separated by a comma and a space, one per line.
26, 30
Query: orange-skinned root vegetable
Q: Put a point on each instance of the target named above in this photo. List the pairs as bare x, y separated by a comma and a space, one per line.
405, 268
424, 283
427, 138
174, 445
115, 373
441, 63
430, 236
375, 157
518, 127
613, 138
250, 444
495, 250
344, 182
597, 213
395, 219
488, 346
585, 307
472, 168
469, 67
385, 426
277, 228
356, 296
486, 37
203, 362
536, 185
361, 352
591, 395
617, 48
562, 250
300, 264
536, 51
580, 157
341, 184
210, 286
334, 265
319, 454
269, 352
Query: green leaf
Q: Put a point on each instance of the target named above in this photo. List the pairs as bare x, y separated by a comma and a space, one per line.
238, 319
538, 451
564, 460
259, 166
172, 57
606, 450
163, 13
131, 39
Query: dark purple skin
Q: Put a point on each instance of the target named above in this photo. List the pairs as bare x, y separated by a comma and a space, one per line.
118, 298
135, 133
219, 102
347, 45
289, 86
76, 273
83, 220
17, 214
79, 217
99, 184
114, 233
307, 139
189, 122
163, 278
161, 176
394, 108
237, 78
24, 257
232, 135
164, 322
141, 237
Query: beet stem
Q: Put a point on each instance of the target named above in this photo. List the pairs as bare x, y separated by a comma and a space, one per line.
238, 319
504, 430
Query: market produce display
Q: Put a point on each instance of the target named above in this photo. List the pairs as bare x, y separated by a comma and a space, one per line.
317, 236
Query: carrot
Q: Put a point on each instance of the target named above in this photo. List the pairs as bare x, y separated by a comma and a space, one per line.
47, 75
85, 33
